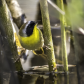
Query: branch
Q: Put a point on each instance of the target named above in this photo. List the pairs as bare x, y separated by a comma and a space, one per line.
56, 7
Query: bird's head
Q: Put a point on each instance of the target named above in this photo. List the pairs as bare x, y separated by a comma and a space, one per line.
27, 28
30, 27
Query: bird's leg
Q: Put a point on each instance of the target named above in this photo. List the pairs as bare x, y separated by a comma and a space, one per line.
40, 52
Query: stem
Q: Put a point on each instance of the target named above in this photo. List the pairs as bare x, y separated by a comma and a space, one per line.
6, 21
63, 36
47, 35
63, 41
7, 47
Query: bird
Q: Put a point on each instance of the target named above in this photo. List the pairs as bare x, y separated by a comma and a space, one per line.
31, 37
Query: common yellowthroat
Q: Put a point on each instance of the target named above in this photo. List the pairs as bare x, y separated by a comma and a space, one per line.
30, 36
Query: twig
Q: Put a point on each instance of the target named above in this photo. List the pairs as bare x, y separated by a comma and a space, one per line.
56, 7
46, 66
19, 56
